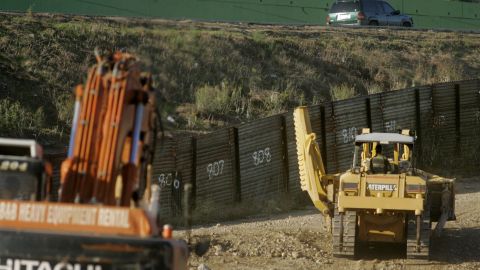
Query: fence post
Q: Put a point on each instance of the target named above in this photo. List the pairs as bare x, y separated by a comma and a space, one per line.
418, 125
457, 119
324, 137
286, 171
369, 113
236, 164
193, 201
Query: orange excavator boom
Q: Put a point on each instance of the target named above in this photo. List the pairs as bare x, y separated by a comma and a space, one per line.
111, 133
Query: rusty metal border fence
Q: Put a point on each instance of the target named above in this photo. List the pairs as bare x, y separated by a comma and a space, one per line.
257, 161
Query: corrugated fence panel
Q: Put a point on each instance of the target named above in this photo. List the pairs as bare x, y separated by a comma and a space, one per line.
377, 114
470, 122
216, 169
293, 175
185, 154
315, 113
444, 117
344, 120
330, 139
163, 174
425, 134
184, 170
393, 111
262, 159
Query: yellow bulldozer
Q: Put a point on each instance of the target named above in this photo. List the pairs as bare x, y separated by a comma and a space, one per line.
379, 199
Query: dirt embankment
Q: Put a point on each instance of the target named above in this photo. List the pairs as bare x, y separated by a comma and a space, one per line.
296, 240
214, 74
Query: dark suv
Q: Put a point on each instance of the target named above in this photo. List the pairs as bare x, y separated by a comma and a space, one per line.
366, 12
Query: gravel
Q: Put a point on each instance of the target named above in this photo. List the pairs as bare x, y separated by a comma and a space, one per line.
296, 240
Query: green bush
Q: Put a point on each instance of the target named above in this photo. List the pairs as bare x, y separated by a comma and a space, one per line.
374, 89
212, 100
342, 91
277, 102
14, 118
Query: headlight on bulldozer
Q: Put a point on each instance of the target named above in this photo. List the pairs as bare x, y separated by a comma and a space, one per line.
416, 188
349, 186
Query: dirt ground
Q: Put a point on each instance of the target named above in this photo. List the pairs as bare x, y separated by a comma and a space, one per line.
296, 240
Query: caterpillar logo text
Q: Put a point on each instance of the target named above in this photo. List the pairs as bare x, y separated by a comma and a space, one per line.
382, 187
18, 264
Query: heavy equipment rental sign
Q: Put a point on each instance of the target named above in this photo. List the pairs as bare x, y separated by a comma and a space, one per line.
71, 217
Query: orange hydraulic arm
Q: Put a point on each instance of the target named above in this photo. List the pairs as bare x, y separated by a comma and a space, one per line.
111, 133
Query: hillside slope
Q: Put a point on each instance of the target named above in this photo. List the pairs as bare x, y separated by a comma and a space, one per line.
210, 74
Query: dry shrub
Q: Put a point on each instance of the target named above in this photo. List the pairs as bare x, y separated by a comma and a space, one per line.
374, 89
212, 100
447, 68
14, 117
342, 91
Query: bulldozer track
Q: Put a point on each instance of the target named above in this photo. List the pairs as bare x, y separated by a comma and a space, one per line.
344, 233
423, 251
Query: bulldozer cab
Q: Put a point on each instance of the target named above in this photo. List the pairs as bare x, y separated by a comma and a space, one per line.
395, 155
23, 174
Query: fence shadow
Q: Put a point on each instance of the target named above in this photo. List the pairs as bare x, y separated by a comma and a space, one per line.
457, 245
253, 216
467, 185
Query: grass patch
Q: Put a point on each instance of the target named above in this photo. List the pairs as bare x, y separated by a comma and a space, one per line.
225, 73
213, 100
342, 91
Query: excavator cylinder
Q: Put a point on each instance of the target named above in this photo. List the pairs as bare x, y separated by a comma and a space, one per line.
76, 114
136, 132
